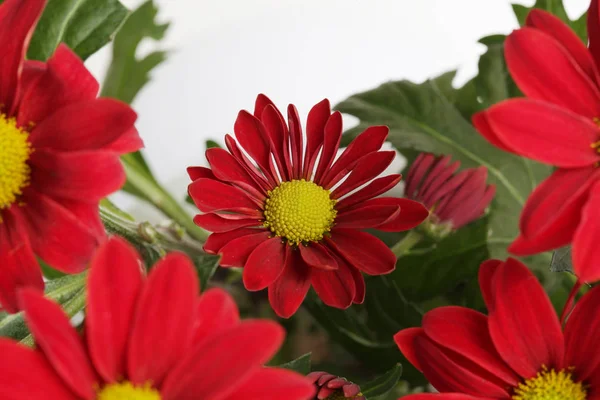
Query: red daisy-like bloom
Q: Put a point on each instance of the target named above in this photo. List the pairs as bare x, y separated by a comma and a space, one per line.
146, 339
331, 387
454, 200
557, 124
59, 155
296, 217
517, 352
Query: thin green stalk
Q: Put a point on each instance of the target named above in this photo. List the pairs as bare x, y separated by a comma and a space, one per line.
161, 199
406, 243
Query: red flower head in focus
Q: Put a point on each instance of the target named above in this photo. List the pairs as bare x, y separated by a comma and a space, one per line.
59, 155
147, 339
454, 200
517, 352
291, 221
331, 387
557, 124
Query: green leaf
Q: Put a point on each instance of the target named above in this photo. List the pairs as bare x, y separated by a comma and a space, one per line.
557, 8
561, 260
61, 290
383, 384
453, 261
84, 25
127, 74
300, 364
210, 144
206, 266
422, 118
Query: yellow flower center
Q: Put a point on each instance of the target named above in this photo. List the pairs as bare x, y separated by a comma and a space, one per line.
550, 385
127, 391
299, 211
15, 150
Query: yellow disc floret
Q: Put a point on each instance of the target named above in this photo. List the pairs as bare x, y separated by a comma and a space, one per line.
127, 391
15, 150
550, 385
299, 211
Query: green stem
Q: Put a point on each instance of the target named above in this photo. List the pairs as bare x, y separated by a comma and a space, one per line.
406, 243
161, 199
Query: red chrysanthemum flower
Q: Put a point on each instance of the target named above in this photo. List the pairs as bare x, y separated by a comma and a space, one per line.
59, 155
454, 200
557, 124
331, 387
517, 352
146, 339
296, 217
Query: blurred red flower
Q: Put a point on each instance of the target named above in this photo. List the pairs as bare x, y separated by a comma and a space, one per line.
454, 199
556, 124
517, 352
332, 387
59, 155
153, 339
297, 217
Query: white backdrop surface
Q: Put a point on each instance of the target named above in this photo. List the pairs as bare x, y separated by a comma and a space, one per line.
225, 52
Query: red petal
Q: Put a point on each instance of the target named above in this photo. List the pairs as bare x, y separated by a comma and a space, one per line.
260, 105
277, 130
17, 22
474, 208
18, 266
265, 264
316, 255
331, 143
367, 142
544, 70
448, 371
200, 172
363, 251
226, 168
217, 367
418, 170
481, 123
465, 332
367, 168
297, 145
59, 341
215, 223
25, 374
289, 290
86, 176
412, 213
162, 327
359, 283
581, 336
545, 132
563, 34
257, 175
236, 252
367, 216
66, 80
435, 180
405, 340
315, 134
274, 384
128, 142
553, 210
57, 235
216, 241
487, 271
375, 188
335, 288
522, 322
444, 396
112, 297
249, 131
216, 312
86, 125
210, 195
593, 28
523, 246
586, 259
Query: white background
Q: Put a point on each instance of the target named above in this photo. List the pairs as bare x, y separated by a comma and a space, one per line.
225, 52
